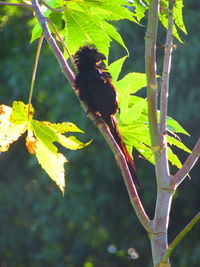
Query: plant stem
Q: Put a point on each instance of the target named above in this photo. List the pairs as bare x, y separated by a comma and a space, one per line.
165, 189
180, 236
62, 42
34, 73
133, 195
166, 70
52, 43
150, 66
51, 8
187, 166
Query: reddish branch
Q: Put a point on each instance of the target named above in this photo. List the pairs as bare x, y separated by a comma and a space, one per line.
135, 200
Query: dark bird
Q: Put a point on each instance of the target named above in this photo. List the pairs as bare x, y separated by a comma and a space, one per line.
96, 90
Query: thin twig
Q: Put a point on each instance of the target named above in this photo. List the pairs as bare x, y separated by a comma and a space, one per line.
101, 126
34, 73
52, 43
16, 4
187, 166
51, 8
166, 70
63, 43
180, 236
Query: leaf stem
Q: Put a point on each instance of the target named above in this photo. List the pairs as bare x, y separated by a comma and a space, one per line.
63, 43
51, 8
52, 43
187, 166
180, 236
166, 69
34, 73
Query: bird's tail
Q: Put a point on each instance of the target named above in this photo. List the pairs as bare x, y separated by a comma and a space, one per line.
111, 122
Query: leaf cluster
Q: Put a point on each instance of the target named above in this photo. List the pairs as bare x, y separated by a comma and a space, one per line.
41, 136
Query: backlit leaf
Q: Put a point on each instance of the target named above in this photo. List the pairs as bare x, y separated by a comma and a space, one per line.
52, 162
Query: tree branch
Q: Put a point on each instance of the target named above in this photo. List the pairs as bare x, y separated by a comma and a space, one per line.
135, 200
52, 43
180, 236
51, 8
150, 67
16, 4
166, 70
187, 166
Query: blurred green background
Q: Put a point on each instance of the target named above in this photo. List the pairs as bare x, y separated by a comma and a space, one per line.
94, 223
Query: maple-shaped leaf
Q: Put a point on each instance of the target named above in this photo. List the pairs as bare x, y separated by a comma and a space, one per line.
52, 162
13, 123
41, 138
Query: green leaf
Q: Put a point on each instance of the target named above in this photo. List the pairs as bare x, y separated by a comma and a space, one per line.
115, 68
140, 9
131, 83
63, 127
47, 153
178, 15
173, 158
40, 139
137, 135
86, 23
52, 162
9, 130
173, 141
36, 32
111, 32
19, 113
44, 133
106, 9
71, 142
174, 126
133, 113
81, 29
49, 133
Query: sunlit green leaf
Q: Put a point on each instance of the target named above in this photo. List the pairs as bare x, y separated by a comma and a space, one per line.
71, 142
132, 82
178, 15
63, 127
173, 141
52, 162
174, 126
173, 158
133, 113
36, 32
20, 112
9, 131
115, 68
140, 9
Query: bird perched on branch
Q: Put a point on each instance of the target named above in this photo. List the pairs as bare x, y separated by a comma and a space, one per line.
96, 90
